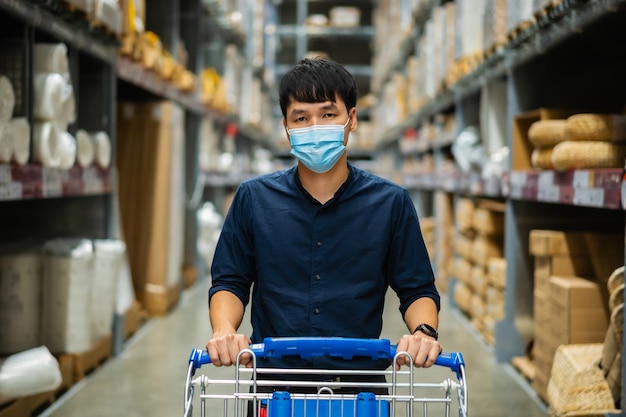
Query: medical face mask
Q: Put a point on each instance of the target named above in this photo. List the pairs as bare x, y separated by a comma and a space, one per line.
318, 147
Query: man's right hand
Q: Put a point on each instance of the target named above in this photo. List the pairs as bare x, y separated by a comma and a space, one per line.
224, 348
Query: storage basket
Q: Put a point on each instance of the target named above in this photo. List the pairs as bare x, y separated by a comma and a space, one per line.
547, 133
616, 278
588, 155
542, 158
596, 127
577, 386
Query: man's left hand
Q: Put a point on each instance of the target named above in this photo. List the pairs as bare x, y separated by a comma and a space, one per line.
423, 349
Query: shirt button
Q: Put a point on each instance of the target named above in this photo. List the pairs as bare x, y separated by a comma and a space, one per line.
319, 243
317, 311
318, 277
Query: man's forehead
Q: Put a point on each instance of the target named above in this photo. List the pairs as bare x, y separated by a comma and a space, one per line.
300, 107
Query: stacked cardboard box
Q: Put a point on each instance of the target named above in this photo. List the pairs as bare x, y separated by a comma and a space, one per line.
150, 159
478, 263
570, 299
444, 227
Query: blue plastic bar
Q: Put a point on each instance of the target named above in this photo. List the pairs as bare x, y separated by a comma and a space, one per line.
340, 347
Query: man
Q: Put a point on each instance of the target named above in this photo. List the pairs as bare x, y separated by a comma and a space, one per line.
320, 243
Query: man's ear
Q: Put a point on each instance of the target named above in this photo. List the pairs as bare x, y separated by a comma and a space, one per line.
353, 119
286, 130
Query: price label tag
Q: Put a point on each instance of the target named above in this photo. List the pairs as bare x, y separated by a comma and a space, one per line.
52, 184
582, 179
546, 179
592, 197
548, 193
518, 178
95, 186
15, 190
5, 174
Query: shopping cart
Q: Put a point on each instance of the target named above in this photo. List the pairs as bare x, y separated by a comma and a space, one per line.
243, 396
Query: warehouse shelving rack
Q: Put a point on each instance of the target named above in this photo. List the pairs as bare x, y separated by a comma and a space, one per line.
572, 55
291, 39
40, 203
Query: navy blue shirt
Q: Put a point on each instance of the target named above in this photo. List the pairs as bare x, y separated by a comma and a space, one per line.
321, 270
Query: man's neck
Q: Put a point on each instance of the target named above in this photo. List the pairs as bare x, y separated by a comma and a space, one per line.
324, 186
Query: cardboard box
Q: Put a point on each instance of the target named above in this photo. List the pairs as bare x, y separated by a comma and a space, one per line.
547, 266
522, 148
484, 248
463, 270
488, 222
575, 293
463, 246
496, 272
478, 281
495, 298
464, 214
541, 311
553, 242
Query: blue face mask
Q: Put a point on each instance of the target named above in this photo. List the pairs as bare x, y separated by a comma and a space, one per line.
318, 147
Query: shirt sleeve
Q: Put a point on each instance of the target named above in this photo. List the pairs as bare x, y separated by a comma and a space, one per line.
409, 269
233, 267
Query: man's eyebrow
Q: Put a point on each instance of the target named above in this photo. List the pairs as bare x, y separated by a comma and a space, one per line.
295, 112
329, 106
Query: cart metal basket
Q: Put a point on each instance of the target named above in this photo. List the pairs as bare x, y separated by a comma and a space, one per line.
246, 394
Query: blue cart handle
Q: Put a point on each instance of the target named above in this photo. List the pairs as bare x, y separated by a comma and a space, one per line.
340, 347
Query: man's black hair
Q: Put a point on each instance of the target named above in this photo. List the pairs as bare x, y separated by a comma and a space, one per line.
316, 80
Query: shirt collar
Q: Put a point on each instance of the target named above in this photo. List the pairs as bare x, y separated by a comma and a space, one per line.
338, 193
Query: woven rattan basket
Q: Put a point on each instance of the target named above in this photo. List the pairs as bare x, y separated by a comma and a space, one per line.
616, 279
588, 155
596, 127
542, 158
577, 386
547, 133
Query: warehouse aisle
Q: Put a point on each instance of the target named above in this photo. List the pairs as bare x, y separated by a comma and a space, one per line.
147, 378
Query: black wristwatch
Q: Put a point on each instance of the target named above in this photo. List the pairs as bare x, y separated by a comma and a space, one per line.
428, 330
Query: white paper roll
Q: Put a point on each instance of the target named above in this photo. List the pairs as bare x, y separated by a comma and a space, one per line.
68, 108
7, 98
6, 147
19, 132
68, 150
27, 373
47, 143
51, 57
103, 148
51, 90
86, 151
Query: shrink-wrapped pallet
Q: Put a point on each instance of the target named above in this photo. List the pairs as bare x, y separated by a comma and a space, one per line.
108, 258
7, 99
51, 91
67, 281
18, 132
30, 372
20, 298
51, 58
